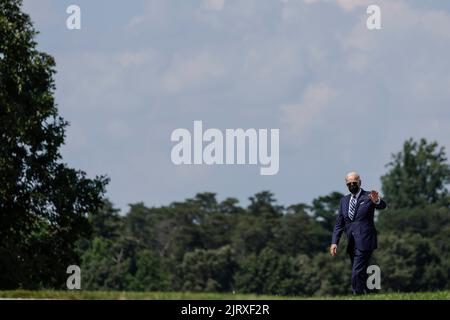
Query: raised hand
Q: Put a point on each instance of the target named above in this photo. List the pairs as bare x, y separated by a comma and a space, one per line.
374, 196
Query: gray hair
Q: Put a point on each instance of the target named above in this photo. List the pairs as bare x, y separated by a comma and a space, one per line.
352, 173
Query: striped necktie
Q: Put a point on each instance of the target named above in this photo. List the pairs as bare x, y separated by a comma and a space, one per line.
352, 207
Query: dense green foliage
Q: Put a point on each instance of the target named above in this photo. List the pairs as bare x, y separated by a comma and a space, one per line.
286, 255
205, 245
418, 176
43, 202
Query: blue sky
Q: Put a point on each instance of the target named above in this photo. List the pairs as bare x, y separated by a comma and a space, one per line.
344, 98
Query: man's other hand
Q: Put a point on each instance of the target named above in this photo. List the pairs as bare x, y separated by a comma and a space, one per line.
333, 249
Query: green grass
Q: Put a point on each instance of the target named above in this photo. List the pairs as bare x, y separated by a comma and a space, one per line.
116, 295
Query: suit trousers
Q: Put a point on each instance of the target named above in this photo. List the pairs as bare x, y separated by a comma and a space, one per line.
360, 262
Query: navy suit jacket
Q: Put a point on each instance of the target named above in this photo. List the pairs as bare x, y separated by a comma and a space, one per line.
360, 231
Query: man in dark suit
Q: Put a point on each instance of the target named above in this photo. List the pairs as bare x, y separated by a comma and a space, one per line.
356, 218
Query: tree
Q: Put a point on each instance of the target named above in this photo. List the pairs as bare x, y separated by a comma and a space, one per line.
333, 274
298, 232
418, 175
205, 201
277, 274
214, 226
149, 275
263, 204
251, 235
230, 206
428, 221
410, 262
325, 209
208, 270
256, 272
107, 222
105, 266
254, 229
43, 203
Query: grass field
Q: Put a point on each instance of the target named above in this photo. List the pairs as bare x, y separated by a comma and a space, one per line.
115, 295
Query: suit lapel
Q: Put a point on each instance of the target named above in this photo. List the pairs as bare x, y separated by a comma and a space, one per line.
360, 199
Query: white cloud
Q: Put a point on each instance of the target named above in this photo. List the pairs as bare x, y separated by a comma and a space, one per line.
399, 19
188, 72
155, 13
408, 54
298, 117
139, 58
351, 4
216, 5
259, 63
108, 81
344, 4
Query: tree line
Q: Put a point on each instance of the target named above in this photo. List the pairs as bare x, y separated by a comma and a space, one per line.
202, 244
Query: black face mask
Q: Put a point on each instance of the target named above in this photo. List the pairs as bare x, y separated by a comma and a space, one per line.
353, 187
